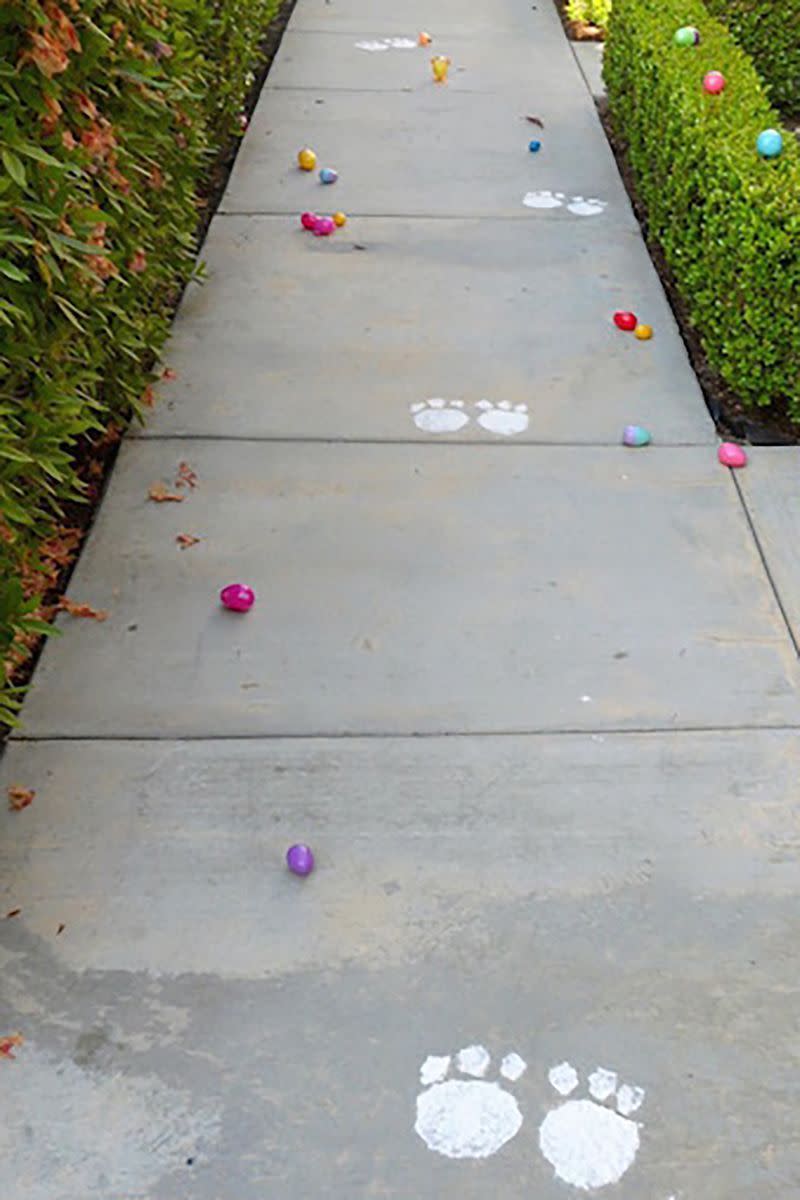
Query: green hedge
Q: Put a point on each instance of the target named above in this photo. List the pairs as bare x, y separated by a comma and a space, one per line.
111, 112
727, 221
769, 30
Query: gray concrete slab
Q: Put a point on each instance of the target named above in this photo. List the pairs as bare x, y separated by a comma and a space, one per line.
419, 589
590, 61
496, 62
771, 489
206, 1025
293, 336
435, 151
446, 17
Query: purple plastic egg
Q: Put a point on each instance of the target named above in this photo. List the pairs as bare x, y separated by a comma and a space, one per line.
324, 226
308, 220
300, 859
238, 597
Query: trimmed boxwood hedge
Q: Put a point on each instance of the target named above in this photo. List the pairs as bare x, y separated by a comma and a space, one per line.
727, 221
769, 30
111, 112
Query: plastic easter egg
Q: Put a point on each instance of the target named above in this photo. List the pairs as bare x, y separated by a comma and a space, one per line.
238, 597
625, 321
300, 859
328, 175
714, 83
339, 219
687, 35
324, 227
769, 143
535, 146
731, 455
306, 159
424, 39
643, 332
309, 220
635, 435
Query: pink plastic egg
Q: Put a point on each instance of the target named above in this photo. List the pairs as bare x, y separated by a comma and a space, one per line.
323, 226
714, 83
309, 220
731, 455
238, 597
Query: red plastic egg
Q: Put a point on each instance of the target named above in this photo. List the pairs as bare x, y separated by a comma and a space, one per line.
626, 321
308, 220
714, 83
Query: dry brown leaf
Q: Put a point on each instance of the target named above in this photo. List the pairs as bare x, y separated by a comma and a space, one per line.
186, 476
60, 929
185, 540
9, 1043
14, 913
81, 610
168, 374
535, 121
19, 797
161, 493
148, 397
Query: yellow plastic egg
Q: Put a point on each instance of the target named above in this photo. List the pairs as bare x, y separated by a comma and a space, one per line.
339, 219
643, 332
306, 159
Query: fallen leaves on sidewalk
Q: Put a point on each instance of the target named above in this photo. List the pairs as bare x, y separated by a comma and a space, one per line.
60, 929
535, 121
81, 610
168, 374
14, 913
186, 477
161, 494
10, 1043
185, 540
19, 797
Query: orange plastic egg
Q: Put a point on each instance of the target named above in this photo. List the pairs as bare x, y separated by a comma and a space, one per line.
643, 332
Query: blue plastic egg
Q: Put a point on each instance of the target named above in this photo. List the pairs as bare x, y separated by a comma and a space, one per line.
328, 175
769, 143
635, 435
535, 146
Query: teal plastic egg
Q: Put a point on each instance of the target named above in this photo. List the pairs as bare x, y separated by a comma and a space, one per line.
769, 143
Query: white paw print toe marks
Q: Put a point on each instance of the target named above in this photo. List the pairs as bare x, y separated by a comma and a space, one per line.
587, 1143
467, 1118
543, 199
439, 416
503, 418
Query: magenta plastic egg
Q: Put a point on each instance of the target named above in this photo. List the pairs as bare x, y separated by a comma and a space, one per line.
731, 455
714, 83
324, 226
238, 597
300, 859
308, 220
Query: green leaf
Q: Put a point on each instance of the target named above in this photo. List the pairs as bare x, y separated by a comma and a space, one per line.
39, 155
13, 272
13, 166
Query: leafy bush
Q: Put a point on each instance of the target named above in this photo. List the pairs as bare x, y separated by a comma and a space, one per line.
769, 30
591, 12
110, 113
728, 221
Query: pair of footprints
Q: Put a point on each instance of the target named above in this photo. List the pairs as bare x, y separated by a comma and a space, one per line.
449, 416
587, 1143
576, 204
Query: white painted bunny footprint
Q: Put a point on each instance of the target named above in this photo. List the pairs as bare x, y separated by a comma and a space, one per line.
439, 416
503, 418
471, 1118
587, 1143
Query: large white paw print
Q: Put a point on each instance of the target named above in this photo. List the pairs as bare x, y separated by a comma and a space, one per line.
439, 416
543, 199
586, 208
588, 1144
467, 1118
503, 417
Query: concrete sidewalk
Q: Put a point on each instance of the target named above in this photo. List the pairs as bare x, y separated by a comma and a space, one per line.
531, 696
